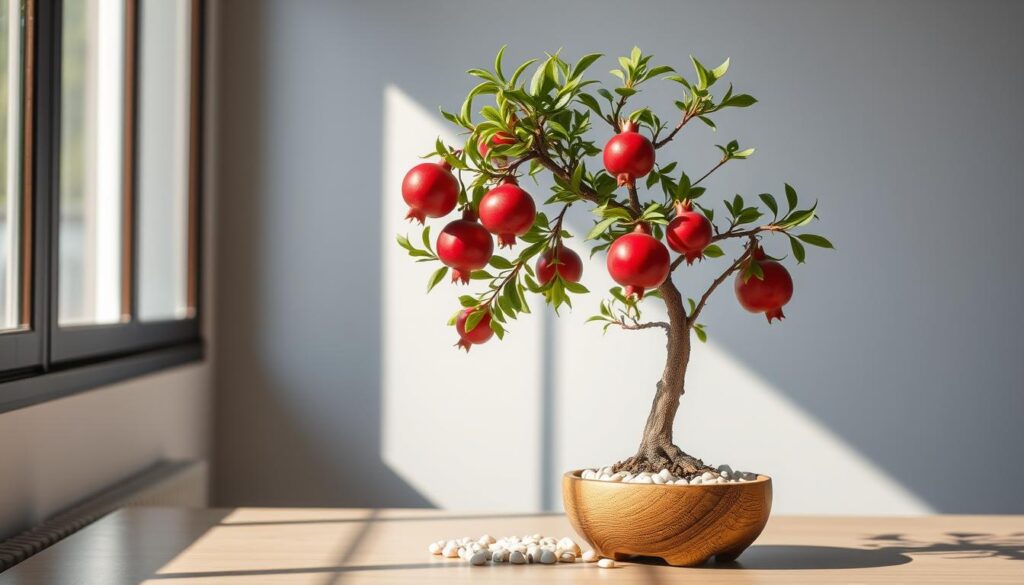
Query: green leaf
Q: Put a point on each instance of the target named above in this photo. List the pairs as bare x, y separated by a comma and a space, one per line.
474, 319
600, 228
816, 240
753, 270
739, 101
625, 91
589, 101
702, 335
499, 263
659, 70
575, 287
519, 71
426, 238
719, 72
497, 329
708, 121
798, 250
743, 153
770, 203
497, 62
791, 197
436, 277
713, 251
537, 82
585, 62
468, 301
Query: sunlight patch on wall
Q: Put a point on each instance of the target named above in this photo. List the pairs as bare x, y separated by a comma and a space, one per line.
462, 430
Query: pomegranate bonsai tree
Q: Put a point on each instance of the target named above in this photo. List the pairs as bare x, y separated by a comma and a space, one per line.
641, 201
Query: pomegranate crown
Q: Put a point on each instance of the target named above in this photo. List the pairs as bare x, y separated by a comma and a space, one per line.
550, 117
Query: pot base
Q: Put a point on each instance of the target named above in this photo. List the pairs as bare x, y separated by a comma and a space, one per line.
685, 525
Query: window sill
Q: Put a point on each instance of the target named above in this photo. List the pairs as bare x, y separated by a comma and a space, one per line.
36, 388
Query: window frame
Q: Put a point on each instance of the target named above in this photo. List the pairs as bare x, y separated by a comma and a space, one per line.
46, 360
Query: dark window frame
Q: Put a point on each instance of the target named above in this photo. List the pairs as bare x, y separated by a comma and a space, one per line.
44, 360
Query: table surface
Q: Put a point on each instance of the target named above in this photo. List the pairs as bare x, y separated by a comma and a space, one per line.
325, 546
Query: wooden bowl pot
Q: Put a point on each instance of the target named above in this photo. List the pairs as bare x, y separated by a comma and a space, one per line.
685, 525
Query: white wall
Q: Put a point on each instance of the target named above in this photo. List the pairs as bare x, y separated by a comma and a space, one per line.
337, 382
57, 453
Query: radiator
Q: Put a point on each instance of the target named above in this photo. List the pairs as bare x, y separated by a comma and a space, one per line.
167, 483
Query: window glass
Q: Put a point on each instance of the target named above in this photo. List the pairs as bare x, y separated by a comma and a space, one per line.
91, 161
11, 103
164, 88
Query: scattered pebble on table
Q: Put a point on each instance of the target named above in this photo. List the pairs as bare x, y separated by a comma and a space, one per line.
516, 550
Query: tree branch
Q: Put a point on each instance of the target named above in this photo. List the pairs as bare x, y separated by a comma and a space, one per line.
686, 118
721, 278
747, 233
634, 199
637, 326
708, 174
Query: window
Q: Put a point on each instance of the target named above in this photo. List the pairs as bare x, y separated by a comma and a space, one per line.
99, 191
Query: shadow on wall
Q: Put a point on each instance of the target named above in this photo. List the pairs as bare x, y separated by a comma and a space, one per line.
298, 402
902, 343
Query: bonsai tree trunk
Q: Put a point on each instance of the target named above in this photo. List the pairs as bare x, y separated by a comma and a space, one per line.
657, 451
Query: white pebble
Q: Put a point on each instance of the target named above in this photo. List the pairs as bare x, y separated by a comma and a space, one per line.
517, 558
590, 556
520, 548
547, 557
589, 474
486, 539
642, 479
569, 545
435, 549
567, 557
696, 481
666, 475
450, 551
707, 476
606, 564
657, 479
498, 556
479, 558
681, 481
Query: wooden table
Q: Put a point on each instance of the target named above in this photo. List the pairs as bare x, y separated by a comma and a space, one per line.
325, 546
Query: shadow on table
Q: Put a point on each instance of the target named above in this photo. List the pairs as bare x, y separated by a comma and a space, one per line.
882, 550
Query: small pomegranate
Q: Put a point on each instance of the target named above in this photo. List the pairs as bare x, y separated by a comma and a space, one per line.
765, 295
499, 139
689, 233
464, 246
569, 266
479, 334
638, 261
507, 211
629, 155
430, 190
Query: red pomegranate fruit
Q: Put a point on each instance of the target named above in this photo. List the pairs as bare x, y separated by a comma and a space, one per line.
464, 246
689, 232
629, 155
560, 260
479, 334
507, 211
430, 190
765, 295
638, 261
499, 139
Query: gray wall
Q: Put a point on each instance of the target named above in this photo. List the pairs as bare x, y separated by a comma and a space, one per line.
901, 118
